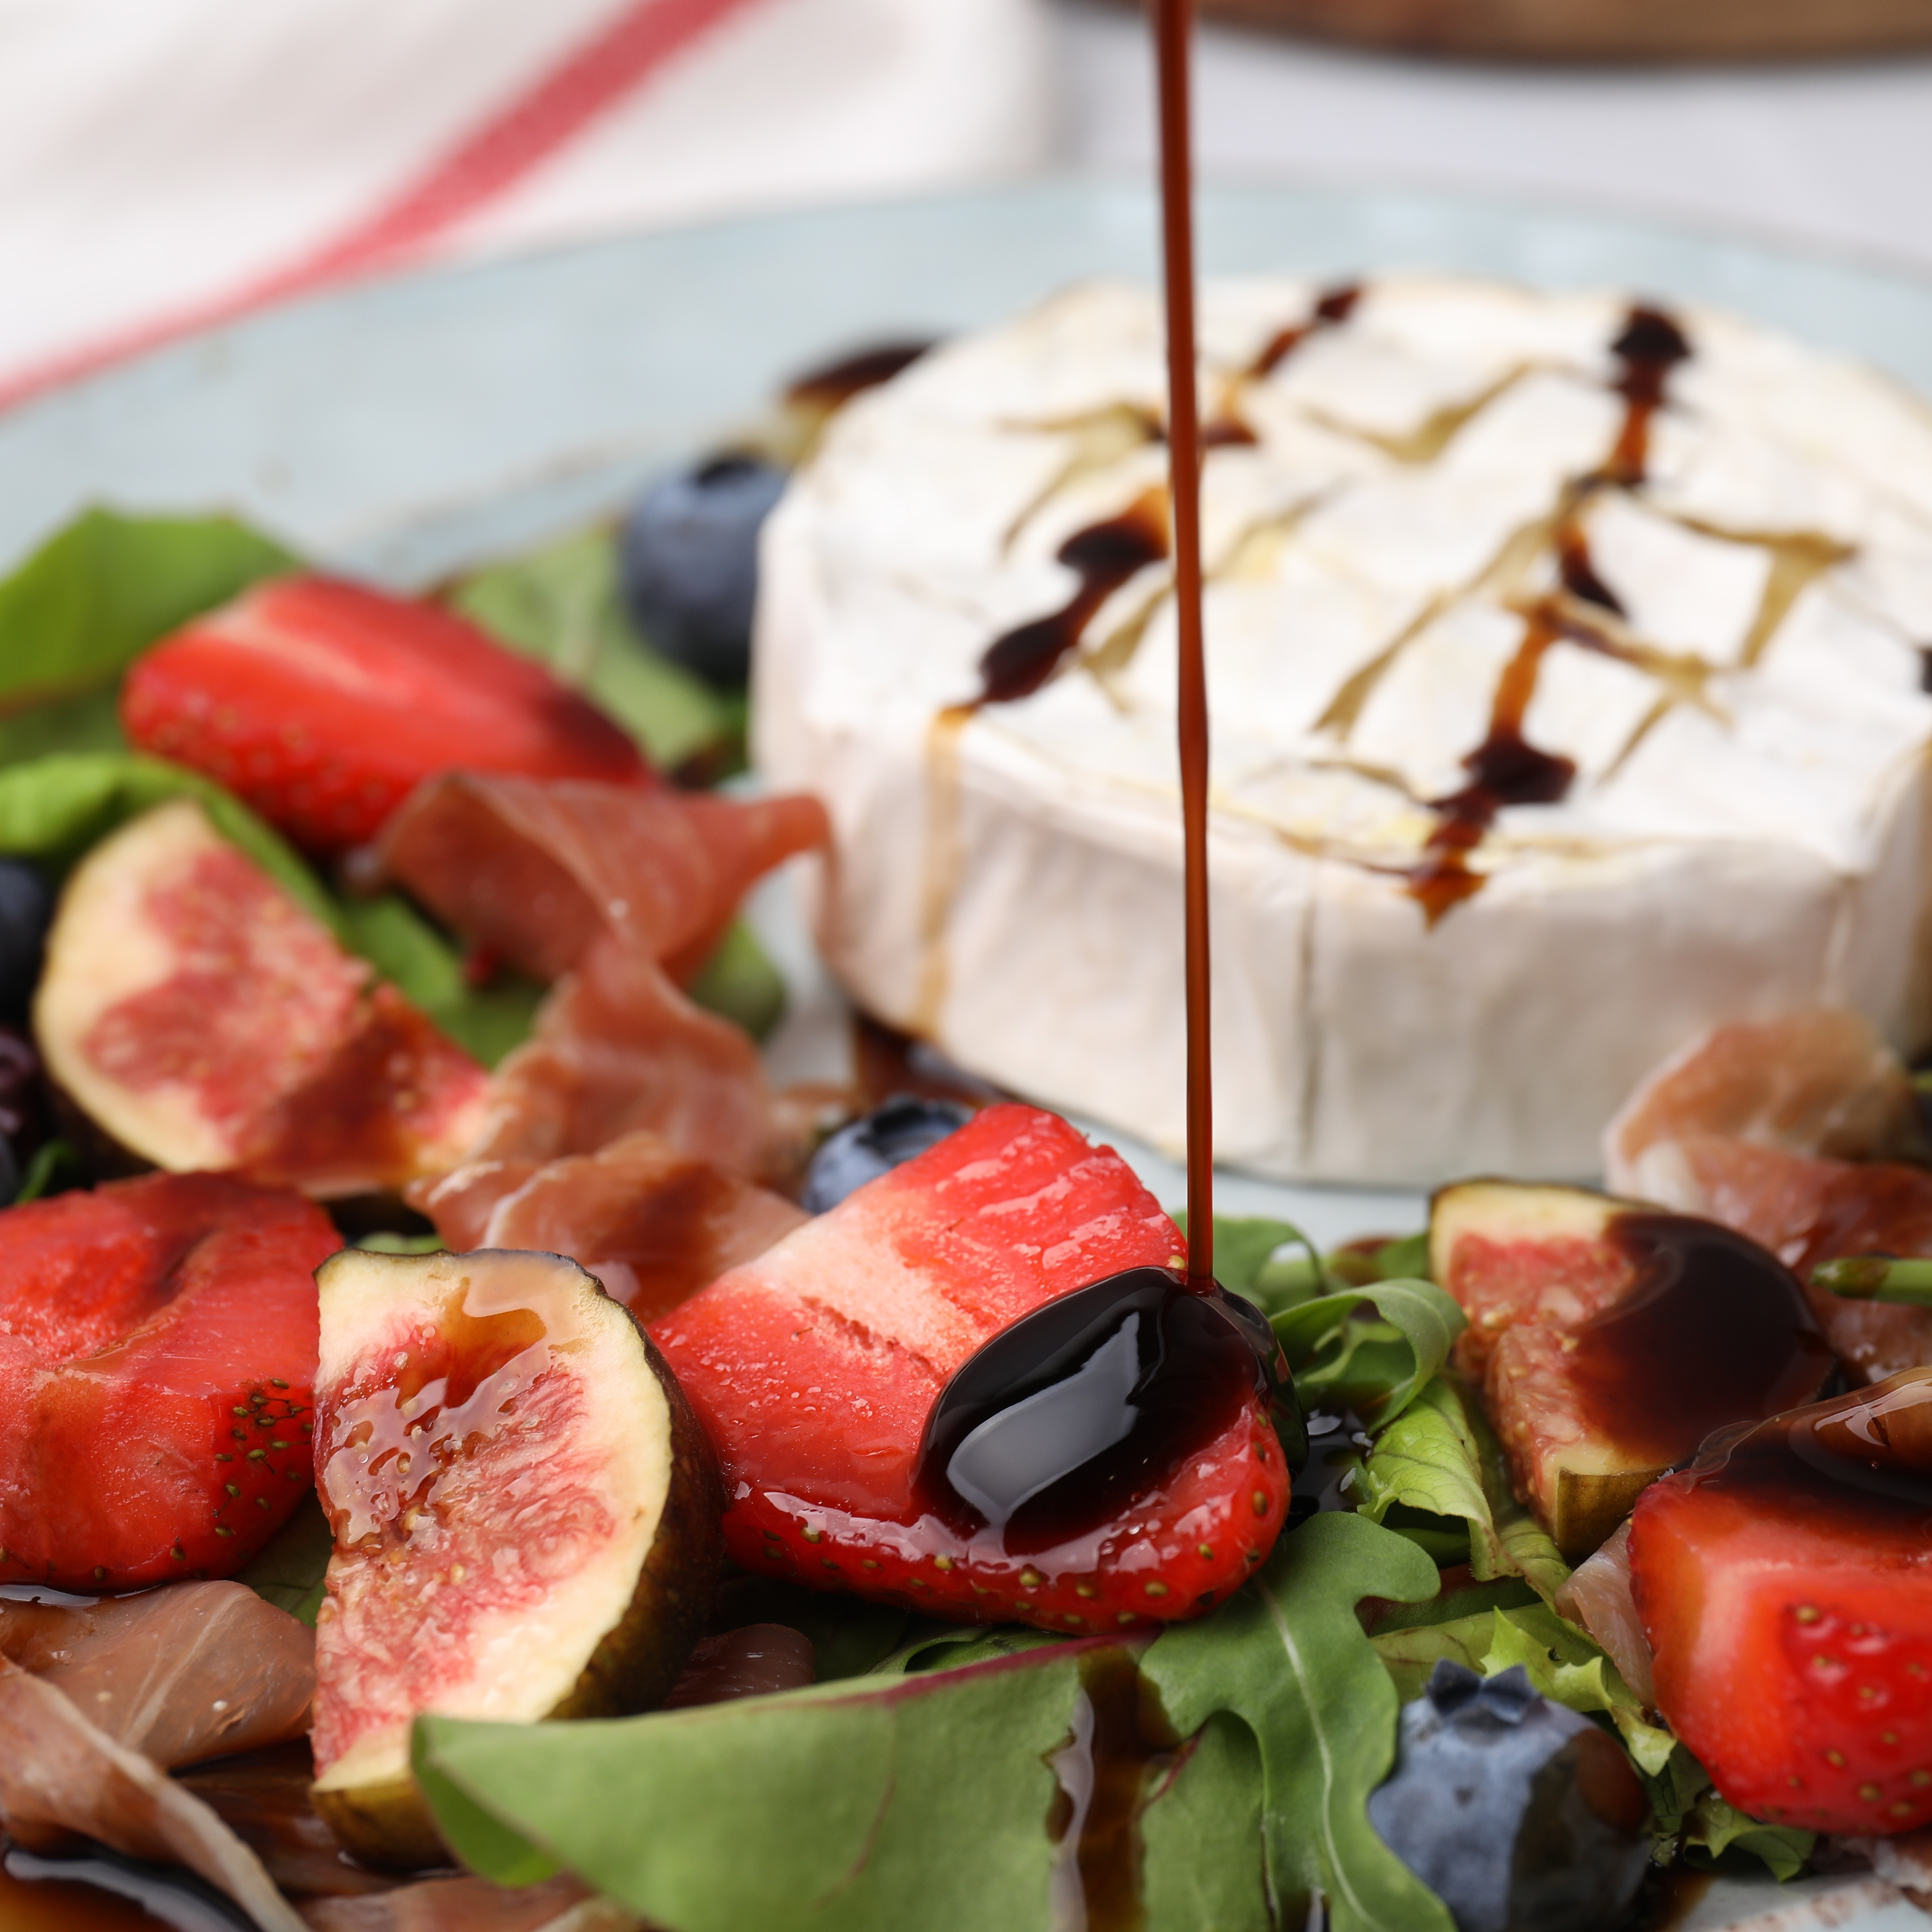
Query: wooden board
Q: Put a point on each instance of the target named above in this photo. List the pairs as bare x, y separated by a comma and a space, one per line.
1601, 30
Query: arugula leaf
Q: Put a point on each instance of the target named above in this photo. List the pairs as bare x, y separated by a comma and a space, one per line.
1287, 1655
1440, 1456
92, 598
1375, 1368
1244, 1251
561, 604
880, 1803
288, 1569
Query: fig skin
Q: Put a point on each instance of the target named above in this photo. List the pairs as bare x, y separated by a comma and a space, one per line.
385, 1823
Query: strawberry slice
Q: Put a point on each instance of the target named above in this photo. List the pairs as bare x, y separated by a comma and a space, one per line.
324, 704
1785, 1582
157, 1353
904, 1393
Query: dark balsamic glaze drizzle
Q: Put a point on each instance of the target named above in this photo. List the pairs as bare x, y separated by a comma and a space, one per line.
1862, 1461
1051, 1429
1651, 345
886, 1062
1505, 768
1106, 1771
827, 387
1103, 556
1715, 1330
1334, 307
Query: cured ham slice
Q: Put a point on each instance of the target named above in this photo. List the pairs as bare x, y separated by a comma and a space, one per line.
1774, 1129
618, 1049
60, 1775
202, 1019
559, 1904
1818, 1081
653, 1224
187, 1672
534, 870
617, 895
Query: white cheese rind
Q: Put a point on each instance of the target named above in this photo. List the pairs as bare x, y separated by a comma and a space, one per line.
1746, 833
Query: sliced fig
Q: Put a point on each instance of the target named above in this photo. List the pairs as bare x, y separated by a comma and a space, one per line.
526, 1517
192, 1010
1610, 1338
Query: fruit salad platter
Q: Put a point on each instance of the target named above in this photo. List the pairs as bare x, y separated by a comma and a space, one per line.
504, 1427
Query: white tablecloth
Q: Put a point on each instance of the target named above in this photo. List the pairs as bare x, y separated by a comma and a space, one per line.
163, 162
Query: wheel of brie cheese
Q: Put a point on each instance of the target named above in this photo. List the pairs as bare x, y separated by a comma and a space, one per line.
1566, 695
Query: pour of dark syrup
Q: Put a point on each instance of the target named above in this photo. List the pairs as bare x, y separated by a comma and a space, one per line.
1053, 1427
1714, 1331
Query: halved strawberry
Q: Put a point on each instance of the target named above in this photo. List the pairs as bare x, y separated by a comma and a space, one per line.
820, 1368
157, 1352
1785, 1582
325, 703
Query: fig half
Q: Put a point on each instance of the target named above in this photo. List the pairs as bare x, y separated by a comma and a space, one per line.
1611, 1337
200, 1018
526, 1513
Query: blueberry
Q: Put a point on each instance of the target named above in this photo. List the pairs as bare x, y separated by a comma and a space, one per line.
865, 1149
1520, 1816
688, 560
26, 910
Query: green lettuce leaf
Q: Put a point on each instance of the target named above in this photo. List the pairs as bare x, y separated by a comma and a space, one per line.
879, 1802
52, 809
561, 604
1374, 1368
1567, 1666
1410, 1652
1440, 1457
1287, 1655
1714, 1828
77, 613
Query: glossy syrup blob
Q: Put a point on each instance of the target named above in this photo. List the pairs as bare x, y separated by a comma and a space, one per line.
1715, 1330
1057, 1424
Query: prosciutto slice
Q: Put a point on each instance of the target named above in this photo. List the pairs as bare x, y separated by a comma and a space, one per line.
619, 896
559, 1904
185, 1673
653, 1224
60, 1775
1776, 1129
